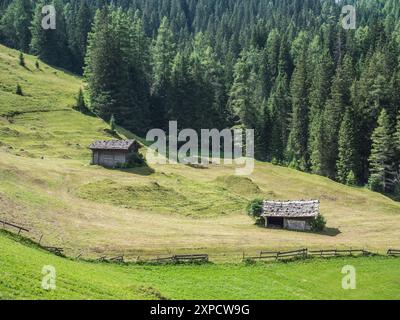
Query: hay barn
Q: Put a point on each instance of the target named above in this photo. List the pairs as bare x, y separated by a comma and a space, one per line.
292, 215
113, 153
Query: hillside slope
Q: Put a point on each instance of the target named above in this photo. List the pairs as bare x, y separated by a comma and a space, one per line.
48, 185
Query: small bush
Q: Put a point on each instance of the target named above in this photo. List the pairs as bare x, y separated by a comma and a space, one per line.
112, 123
351, 179
254, 209
80, 104
21, 59
318, 224
18, 91
375, 183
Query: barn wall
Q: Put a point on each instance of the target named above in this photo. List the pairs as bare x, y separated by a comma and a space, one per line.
297, 224
109, 158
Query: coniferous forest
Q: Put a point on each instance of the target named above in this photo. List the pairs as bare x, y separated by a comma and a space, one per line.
321, 98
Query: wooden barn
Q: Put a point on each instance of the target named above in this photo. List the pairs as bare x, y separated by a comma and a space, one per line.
292, 215
113, 153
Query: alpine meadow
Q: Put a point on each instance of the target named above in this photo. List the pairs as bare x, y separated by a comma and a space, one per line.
86, 212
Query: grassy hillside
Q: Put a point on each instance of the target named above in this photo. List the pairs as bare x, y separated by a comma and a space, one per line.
21, 266
47, 184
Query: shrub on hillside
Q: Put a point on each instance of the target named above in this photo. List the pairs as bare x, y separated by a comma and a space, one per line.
21, 59
18, 91
318, 224
254, 209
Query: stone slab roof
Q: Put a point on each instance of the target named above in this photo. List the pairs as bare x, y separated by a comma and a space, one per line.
291, 209
112, 144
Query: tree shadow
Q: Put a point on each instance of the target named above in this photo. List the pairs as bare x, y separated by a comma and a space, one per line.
331, 232
142, 171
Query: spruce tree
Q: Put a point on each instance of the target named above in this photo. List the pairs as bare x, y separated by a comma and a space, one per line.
21, 59
333, 115
381, 159
80, 102
298, 138
112, 123
18, 91
15, 24
279, 110
163, 53
347, 160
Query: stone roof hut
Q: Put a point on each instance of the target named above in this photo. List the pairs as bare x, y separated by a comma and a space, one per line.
113, 153
293, 215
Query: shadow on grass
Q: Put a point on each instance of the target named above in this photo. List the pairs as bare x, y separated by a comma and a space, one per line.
331, 232
142, 171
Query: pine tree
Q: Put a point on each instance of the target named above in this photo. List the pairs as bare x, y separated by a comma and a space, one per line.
80, 103
112, 123
15, 23
397, 135
319, 93
347, 160
163, 53
50, 45
279, 110
81, 25
298, 138
21, 59
333, 115
381, 159
18, 91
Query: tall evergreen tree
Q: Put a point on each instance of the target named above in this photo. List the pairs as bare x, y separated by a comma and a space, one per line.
298, 138
333, 115
163, 53
347, 160
382, 156
15, 24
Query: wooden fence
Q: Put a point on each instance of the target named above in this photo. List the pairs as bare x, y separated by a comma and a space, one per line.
393, 253
335, 252
5, 223
118, 259
279, 255
181, 258
56, 250
304, 253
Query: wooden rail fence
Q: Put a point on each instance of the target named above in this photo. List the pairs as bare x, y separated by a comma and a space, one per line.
278, 255
56, 250
181, 258
393, 252
335, 252
304, 253
5, 223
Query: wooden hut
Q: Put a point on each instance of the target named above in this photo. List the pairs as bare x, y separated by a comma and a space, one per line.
293, 215
113, 153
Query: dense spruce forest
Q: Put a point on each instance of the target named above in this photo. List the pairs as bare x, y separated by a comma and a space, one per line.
321, 98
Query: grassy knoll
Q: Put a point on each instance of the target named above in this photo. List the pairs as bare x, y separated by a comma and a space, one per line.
21, 265
47, 184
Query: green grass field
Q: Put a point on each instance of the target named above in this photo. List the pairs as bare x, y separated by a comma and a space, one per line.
48, 186
21, 266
